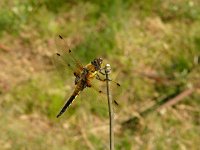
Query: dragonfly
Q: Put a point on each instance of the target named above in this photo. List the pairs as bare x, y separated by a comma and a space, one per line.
83, 74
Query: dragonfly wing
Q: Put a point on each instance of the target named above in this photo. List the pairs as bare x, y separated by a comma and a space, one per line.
61, 66
64, 59
99, 87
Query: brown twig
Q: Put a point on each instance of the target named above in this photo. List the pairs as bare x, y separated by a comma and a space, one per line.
170, 100
177, 98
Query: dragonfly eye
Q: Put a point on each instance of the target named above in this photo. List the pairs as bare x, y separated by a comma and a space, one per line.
100, 60
97, 63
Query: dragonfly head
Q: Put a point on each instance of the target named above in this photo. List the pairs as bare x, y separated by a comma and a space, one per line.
97, 63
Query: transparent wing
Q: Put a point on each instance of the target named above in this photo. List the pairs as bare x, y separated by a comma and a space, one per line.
64, 59
98, 94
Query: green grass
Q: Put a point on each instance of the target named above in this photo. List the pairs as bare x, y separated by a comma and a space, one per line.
138, 38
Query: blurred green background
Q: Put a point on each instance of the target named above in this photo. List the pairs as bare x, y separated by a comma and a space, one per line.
153, 47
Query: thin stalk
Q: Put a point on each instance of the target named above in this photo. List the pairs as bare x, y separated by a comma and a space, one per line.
110, 109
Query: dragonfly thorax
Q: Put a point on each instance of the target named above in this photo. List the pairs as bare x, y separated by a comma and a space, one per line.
97, 63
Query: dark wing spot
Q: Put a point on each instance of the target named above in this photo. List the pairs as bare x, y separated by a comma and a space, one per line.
60, 37
100, 91
118, 84
57, 54
70, 51
68, 65
115, 102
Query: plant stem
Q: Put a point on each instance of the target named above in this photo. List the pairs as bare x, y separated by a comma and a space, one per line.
110, 109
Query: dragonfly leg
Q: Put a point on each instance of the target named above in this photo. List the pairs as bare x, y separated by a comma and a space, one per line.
100, 79
101, 71
103, 80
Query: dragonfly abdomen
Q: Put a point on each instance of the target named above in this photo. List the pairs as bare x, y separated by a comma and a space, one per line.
66, 105
70, 100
